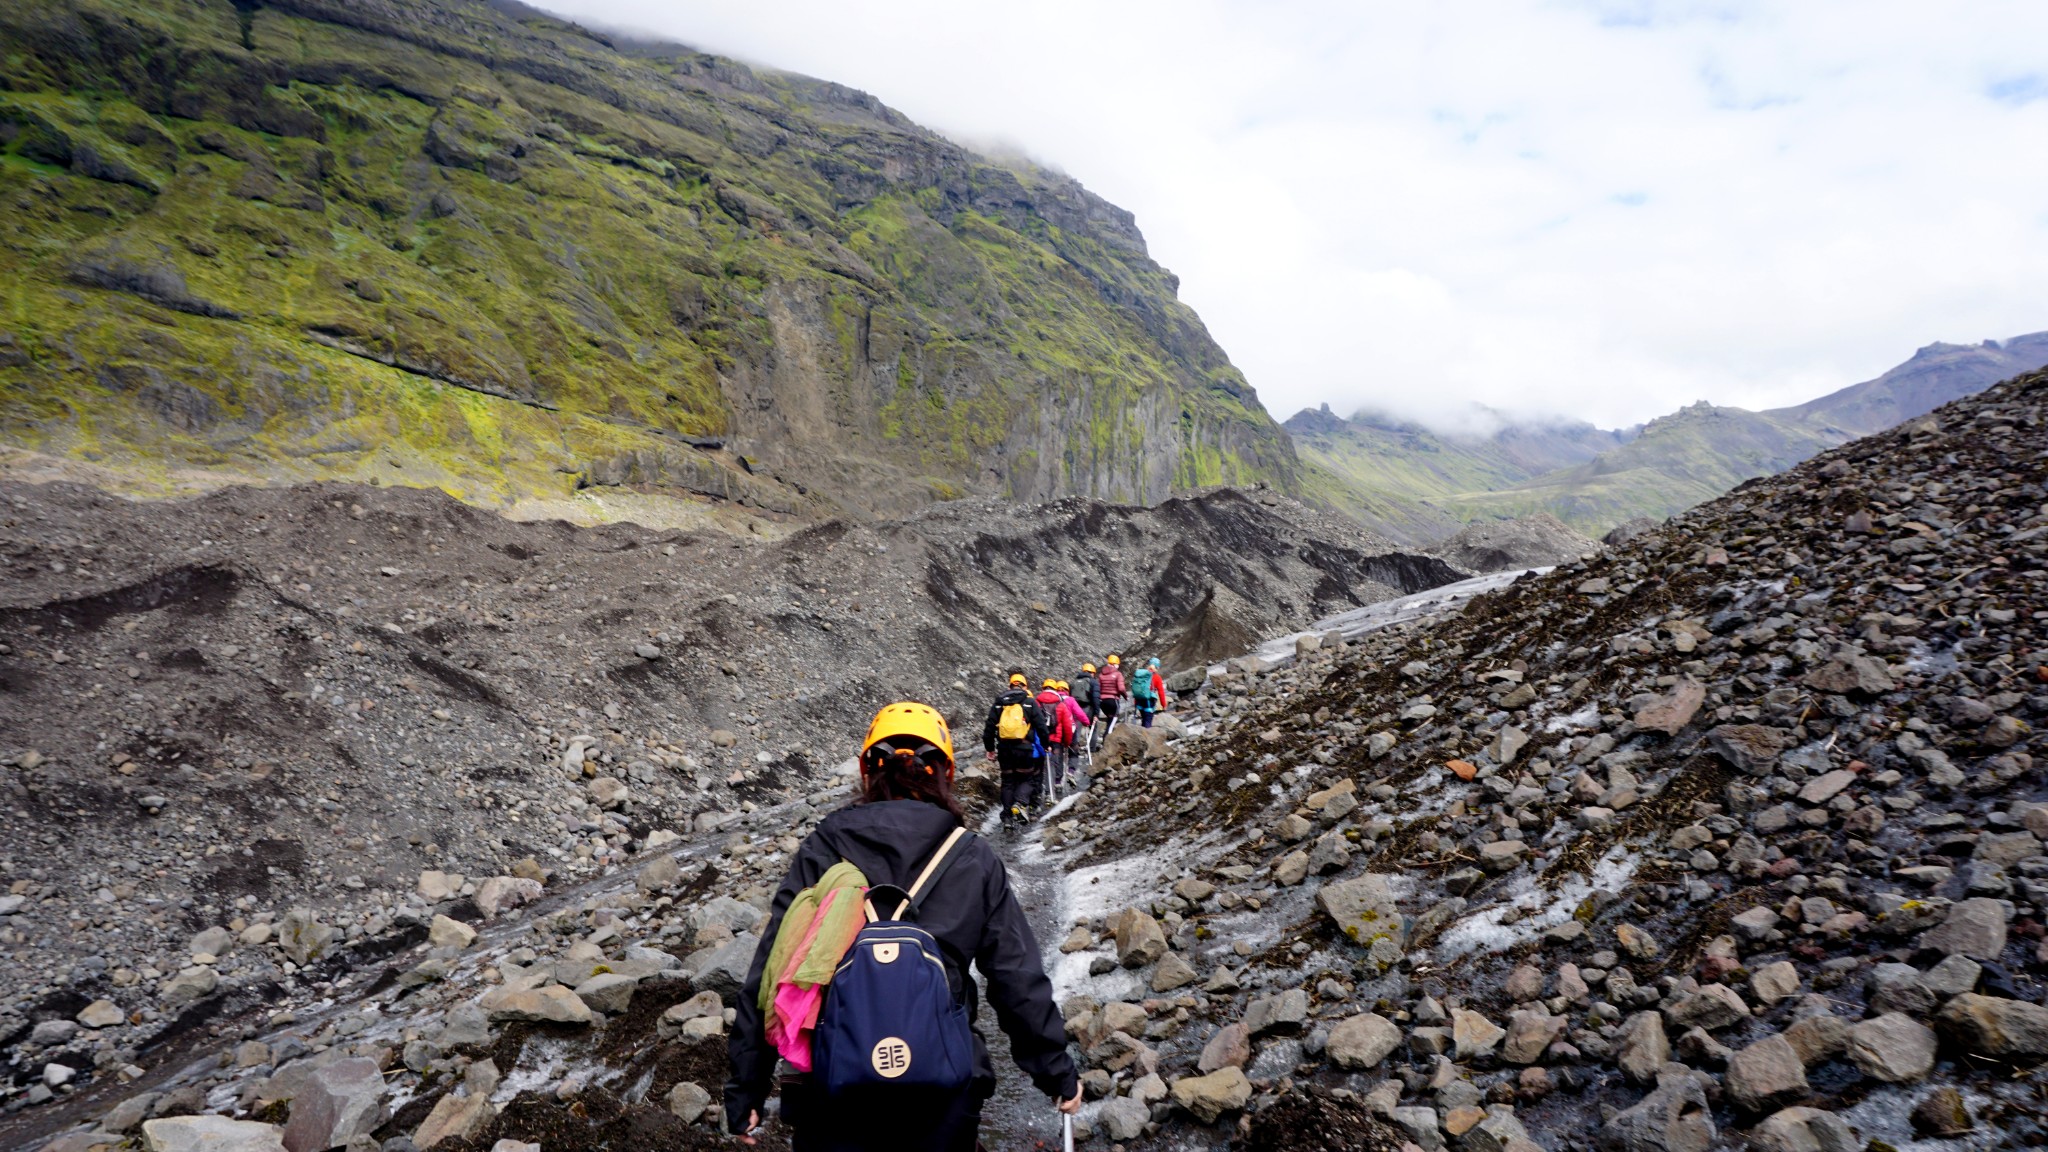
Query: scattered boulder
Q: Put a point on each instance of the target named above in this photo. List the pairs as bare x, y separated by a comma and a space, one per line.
1209, 1097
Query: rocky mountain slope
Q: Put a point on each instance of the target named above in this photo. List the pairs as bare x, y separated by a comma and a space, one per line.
462, 244
1536, 541
1418, 486
1731, 833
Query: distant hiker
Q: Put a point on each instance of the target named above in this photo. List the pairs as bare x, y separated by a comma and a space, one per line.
1148, 689
895, 1061
1110, 691
1076, 730
1015, 735
1086, 693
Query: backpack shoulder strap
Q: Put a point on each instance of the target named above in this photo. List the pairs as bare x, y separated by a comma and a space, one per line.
932, 868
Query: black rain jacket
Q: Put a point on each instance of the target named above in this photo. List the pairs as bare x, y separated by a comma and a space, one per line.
1032, 713
969, 909
1087, 694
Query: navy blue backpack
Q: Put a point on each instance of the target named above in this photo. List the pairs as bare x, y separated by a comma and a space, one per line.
889, 1016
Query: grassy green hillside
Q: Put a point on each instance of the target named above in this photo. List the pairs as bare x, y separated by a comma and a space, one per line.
1406, 480
1421, 486
449, 243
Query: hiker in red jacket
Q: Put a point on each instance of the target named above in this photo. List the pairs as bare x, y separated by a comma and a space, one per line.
1109, 693
1059, 735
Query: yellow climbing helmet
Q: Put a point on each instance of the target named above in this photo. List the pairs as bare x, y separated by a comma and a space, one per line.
1060, 684
1113, 659
1088, 668
1050, 683
908, 726
1017, 679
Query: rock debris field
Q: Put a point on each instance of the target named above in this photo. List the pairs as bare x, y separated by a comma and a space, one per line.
1730, 834
254, 744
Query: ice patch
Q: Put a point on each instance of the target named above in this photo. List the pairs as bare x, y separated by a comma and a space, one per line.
1483, 931
1587, 717
541, 1064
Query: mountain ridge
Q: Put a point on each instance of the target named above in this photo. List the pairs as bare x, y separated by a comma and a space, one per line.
472, 246
1652, 470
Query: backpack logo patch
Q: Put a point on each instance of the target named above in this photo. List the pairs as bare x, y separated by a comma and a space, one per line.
891, 1058
885, 953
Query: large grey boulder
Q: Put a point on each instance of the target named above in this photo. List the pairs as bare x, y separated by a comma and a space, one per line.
1362, 1041
1974, 928
1644, 1047
1672, 1118
1124, 1118
1139, 940
209, 1134
336, 1104
723, 967
1995, 1026
1363, 909
1284, 1012
1767, 1075
1208, 1097
1893, 1047
1805, 1130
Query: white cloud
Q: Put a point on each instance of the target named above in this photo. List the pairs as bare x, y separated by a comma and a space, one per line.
1603, 208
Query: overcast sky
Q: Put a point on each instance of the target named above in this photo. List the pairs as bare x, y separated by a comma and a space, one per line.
1598, 209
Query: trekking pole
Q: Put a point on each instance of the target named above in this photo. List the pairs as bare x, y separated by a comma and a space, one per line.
1069, 1126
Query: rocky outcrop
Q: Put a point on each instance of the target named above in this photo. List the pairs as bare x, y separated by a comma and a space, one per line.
871, 317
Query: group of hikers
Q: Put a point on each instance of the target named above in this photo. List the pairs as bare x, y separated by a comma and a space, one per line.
1040, 738
861, 1003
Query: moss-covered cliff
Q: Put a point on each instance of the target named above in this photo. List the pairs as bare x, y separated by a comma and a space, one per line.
463, 244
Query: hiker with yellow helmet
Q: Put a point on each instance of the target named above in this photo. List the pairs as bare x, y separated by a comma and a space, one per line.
1110, 690
1015, 736
904, 834
1086, 694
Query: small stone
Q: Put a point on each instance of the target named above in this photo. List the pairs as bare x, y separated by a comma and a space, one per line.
100, 1014
1942, 1115
1282, 1013
688, 1101
1173, 972
1636, 942
1361, 1041
1713, 1008
1230, 1046
553, 1004
449, 933
1774, 982
1474, 1034
1644, 1047
1818, 1039
194, 983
